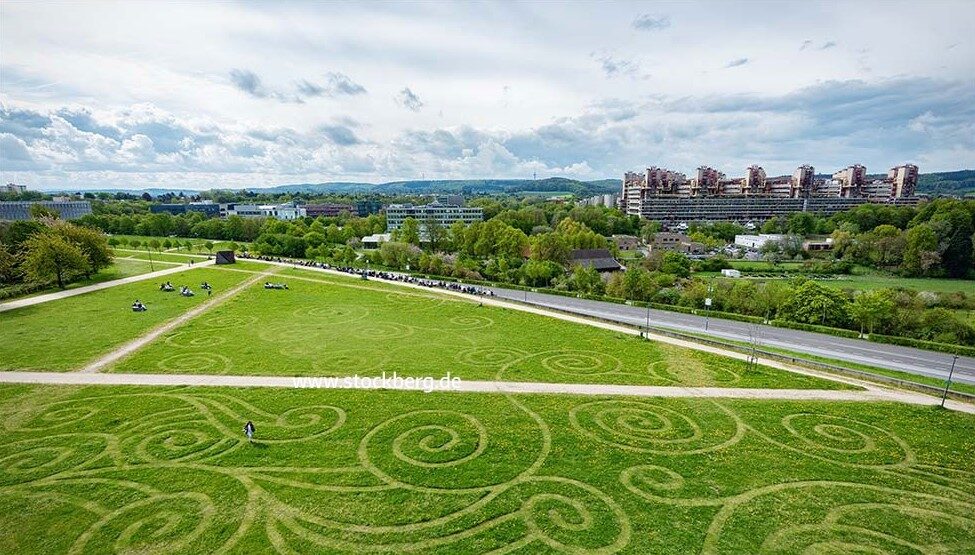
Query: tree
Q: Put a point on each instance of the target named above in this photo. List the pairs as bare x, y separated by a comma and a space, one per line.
209, 247
549, 246
167, 244
436, 233
40, 212
920, 250
954, 229
802, 223
871, 307
410, 232
635, 283
153, 244
92, 243
812, 303
586, 279
50, 256
8, 264
675, 263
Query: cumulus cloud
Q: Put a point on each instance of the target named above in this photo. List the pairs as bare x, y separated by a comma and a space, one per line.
828, 125
647, 22
250, 83
409, 100
737, 62
336, 84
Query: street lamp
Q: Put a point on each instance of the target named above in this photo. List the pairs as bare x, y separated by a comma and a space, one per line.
948, 384
648, 319
707, 307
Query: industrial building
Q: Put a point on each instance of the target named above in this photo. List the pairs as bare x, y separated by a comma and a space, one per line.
669, 196
67, 210
443, 214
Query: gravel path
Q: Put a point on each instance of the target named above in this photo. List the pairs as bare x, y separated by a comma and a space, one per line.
31, 301
873, 394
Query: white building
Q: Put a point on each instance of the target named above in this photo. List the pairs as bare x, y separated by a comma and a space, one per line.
729, 273
443, 214
756, 241
14, 189
277, 211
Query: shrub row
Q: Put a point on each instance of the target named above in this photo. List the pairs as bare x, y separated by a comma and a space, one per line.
922, 344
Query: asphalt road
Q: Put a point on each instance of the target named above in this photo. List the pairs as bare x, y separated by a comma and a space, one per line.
893, 357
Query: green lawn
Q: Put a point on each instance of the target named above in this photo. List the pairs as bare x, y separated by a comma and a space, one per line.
64, 334
152, 470
197, 243
335, 325
123, 266
867, 282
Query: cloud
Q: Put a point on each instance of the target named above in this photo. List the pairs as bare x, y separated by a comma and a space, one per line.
409, 100
340, 135
827, 45
249, 82
805, 44
337, 84
647, 22
615, 67
737, 62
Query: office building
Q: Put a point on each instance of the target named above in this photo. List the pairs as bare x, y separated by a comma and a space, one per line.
443, 214
67, 210
329, 210
208, 208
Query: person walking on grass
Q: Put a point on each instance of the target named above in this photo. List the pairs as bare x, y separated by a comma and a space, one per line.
249, 431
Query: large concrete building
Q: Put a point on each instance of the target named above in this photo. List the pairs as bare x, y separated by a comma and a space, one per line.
14, 189
278, 211
669, 196
67, 210
327, 209
443, 214
207, 207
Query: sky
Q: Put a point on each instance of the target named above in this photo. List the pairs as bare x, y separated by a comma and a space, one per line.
252, 94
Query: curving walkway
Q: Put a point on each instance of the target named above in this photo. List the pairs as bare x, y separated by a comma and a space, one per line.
31, 301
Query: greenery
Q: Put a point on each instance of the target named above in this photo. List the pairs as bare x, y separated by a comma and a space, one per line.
330, 326
154, 470
45, 251
65, 334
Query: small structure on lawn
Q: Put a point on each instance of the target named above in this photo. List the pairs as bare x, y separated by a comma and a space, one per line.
225, 257
600, 259
729, 273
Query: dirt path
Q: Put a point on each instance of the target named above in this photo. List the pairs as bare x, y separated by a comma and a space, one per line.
870, 395
31, 301
136, 344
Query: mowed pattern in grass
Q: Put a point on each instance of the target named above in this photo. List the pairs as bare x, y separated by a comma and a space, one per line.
148, 470
335, 325
66, 333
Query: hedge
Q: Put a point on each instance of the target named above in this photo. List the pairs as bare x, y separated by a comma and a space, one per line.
839, 332
922, 344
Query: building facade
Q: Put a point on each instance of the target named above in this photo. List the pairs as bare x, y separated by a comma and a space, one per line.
329, 210
277, 211
669, 196
67, 210
208, 208
443, 214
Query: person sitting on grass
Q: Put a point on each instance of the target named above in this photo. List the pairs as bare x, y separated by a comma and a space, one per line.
137, 306
185, 291
249, 431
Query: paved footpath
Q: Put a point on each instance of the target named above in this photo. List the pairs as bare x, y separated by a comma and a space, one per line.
872, 394
98, 364
30, 301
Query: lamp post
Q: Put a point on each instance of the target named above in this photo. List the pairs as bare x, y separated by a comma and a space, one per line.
707, 307
648, 319
954, 359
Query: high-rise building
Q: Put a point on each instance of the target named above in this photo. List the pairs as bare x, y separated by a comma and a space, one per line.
851, 181
443, 214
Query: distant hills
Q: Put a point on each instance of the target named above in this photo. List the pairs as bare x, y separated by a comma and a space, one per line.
939, 183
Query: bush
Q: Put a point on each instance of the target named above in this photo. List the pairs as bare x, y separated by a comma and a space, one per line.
921, 344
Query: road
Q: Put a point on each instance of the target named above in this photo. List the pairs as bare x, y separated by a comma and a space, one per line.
893, 357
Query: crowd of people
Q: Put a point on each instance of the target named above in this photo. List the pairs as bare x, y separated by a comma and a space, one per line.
379, 274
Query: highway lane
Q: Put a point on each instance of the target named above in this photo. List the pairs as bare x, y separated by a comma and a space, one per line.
893, 357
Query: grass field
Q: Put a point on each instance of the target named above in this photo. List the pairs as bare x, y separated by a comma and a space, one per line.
861, 281
150, 470
64, 334
329, 326
198, 244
